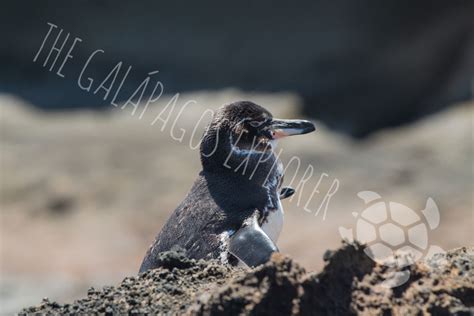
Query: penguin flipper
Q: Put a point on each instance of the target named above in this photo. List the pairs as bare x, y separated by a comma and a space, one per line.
251, 245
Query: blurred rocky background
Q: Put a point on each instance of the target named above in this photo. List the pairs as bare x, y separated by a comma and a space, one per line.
358, 65
85, 186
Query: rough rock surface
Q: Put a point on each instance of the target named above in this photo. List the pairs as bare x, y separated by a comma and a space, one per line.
350, 283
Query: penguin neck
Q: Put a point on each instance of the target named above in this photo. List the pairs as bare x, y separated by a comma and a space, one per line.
220, 155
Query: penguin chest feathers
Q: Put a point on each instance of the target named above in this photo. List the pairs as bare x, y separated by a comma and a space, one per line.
272, 222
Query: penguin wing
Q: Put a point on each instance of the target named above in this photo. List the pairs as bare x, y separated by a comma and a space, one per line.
250, 244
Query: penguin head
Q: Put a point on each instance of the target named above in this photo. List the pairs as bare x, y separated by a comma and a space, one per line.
244, 128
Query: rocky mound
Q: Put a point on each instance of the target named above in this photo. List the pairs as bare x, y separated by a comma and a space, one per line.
350, 283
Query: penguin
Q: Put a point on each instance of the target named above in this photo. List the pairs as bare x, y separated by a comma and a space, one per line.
233, 211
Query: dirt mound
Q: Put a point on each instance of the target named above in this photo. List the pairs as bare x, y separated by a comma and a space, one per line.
349, 284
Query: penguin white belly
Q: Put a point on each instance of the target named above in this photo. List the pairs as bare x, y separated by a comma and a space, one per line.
274, 223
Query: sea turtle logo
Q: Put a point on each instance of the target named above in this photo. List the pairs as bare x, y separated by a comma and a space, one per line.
394, 234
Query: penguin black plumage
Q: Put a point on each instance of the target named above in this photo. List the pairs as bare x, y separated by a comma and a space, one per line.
229, 212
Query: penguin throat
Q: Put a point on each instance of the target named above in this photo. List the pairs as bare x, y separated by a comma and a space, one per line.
257, 147
254, 160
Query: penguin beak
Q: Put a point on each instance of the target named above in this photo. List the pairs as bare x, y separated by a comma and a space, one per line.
283, 128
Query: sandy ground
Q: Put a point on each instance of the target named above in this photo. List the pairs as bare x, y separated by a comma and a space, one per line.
83, 194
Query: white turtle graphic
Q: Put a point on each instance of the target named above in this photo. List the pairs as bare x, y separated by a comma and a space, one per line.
389, 229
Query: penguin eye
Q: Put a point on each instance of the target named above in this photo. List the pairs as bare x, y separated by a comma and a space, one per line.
256, 124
